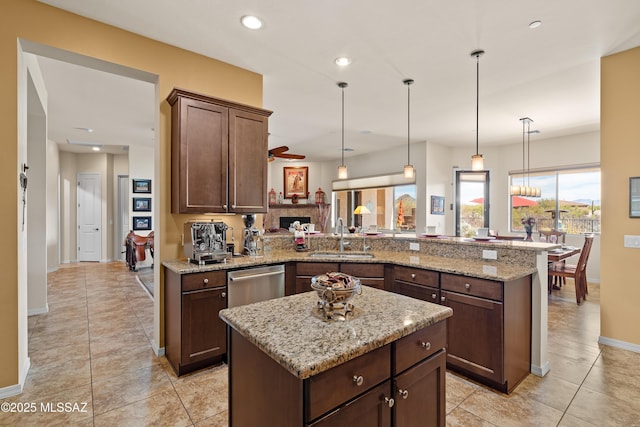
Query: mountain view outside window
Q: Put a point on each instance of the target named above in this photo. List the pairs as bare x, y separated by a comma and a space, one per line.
570, 201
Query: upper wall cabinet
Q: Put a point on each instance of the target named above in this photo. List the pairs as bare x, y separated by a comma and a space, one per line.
218, 155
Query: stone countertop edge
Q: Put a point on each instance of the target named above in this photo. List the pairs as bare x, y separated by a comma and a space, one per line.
292, 333
492, 270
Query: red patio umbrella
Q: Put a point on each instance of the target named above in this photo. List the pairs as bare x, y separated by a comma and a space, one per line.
517, 201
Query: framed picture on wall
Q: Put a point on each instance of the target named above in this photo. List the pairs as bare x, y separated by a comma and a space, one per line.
142, 204
142, 223
634, 197
296, 181
142, 186
437, 205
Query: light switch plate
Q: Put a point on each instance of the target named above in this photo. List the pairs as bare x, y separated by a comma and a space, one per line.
490, 269
414, 246
631, 241
489, 254
414, 259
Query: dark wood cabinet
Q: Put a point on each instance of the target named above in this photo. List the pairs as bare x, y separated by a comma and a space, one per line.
417, 283
400, 384
369, 274
195, 336
218, 155
490, 330
306, 270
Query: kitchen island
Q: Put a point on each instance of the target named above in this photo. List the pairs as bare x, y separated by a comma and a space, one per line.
288, 366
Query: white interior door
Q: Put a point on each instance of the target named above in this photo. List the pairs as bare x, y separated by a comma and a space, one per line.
123, 215
89, 217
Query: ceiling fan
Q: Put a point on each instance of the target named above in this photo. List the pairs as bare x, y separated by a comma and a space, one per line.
280, 152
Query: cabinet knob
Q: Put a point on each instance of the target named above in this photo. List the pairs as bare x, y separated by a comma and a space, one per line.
358, 380
223, 295
442, 299
206, 281
224, 206
413, 275
389, 402
233, 206
426, 345
434, 296
467, 286
403, 393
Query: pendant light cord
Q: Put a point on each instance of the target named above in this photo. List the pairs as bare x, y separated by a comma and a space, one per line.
477, 98
342, 125
408, 83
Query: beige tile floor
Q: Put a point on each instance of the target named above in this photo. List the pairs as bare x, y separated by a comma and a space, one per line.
93, 348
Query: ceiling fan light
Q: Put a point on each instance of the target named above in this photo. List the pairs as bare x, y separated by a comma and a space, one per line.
477, 162
342, 172
409, 172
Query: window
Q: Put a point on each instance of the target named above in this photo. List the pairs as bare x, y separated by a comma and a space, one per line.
570, 200
391, 208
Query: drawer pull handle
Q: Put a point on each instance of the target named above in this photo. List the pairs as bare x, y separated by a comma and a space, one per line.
358, 380
434, 296
206, 281
413, 275
426, 345
442, 299
403, 393
223, 295
389, 402
467, 286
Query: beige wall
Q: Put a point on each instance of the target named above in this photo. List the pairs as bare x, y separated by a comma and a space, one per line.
620, 290
39, 23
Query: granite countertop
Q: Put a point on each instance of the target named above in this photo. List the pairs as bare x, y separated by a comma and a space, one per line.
492, 270
291, 332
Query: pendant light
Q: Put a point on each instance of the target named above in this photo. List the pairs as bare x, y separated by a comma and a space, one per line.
477, 161
525, 189
409, 172
342, 169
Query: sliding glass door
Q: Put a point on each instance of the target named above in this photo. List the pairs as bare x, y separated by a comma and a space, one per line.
472, 202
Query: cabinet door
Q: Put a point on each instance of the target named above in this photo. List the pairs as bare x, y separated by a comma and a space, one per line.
247, 162
475, 335
419, 394
370, 409
203, 332
199, 157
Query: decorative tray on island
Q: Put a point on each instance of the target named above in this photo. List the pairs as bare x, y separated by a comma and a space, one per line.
335, 291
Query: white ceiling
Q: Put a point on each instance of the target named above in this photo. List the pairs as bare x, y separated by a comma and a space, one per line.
550, 74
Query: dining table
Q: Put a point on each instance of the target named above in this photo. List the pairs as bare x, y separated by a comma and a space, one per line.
560, 255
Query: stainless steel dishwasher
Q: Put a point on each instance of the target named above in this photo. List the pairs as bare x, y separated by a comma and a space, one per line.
254, 285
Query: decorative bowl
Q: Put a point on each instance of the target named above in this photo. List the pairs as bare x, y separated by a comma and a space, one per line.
335, 291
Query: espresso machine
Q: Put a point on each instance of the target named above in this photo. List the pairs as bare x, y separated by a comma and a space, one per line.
251, 240
205, 242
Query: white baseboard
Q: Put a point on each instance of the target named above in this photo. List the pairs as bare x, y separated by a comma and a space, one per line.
51, 270
41, 310
159, 351
619, 344
16, 389
540, 371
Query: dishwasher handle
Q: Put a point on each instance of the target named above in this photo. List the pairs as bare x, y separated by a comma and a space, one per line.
253, 276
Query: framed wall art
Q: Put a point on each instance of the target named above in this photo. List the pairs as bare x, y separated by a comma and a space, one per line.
296, 181
437, 205
142, 204
142, 186
634, 197
142, 223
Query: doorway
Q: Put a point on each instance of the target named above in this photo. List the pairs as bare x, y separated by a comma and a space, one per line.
89, 214
472, 202
122, 216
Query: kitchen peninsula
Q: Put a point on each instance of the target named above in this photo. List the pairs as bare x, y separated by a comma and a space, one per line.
295, 368
508, 294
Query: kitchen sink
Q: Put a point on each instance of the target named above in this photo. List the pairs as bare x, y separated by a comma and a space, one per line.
342, 255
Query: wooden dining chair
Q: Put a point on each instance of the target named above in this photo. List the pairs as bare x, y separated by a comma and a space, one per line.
577, 272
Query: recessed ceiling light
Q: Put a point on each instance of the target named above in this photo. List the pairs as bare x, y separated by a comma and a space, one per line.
95, 148
251, 22
535, 24
343, 61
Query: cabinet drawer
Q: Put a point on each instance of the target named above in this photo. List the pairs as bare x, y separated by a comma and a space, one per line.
340, 384
417, 276
209, 279
363, 270
414, 290
471, 286
420, 345
373, 282
315, 268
